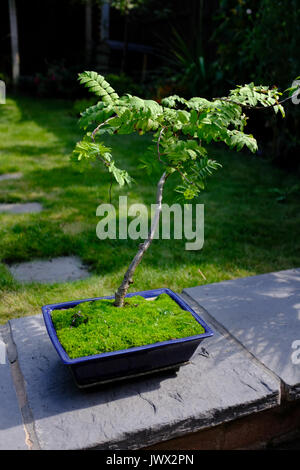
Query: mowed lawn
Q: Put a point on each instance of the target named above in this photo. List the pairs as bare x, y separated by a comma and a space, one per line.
247, 231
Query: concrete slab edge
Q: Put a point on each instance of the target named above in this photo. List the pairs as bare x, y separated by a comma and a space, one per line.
285, 394
31, 440
189, 426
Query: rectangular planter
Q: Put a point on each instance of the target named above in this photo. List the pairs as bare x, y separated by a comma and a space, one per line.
118, 365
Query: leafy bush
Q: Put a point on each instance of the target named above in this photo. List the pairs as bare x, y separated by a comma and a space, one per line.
185, 68
57, 82
259, 41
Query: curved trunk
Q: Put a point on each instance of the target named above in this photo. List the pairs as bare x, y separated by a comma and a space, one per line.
127, 280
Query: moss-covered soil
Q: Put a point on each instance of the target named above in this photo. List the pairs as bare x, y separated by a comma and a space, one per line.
97, 327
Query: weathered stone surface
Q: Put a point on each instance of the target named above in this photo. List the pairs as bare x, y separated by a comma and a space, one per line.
263, 313
10, 176
63, 269
267, 429
18, 208
12, 434
220, 384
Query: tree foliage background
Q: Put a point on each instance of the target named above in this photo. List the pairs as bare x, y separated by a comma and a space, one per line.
260, 41
200, 48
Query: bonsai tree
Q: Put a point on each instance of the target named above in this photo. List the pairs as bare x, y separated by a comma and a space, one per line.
182, 131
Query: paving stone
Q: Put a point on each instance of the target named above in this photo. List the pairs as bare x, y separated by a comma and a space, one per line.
12, 434
63, 269
221, 383
10, 176
263, 313
18, 208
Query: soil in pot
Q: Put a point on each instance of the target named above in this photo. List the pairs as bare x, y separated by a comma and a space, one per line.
98, 326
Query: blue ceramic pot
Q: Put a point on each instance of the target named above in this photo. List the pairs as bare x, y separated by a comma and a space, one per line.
117, 365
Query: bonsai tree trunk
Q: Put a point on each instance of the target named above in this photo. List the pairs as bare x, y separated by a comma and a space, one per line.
127, 280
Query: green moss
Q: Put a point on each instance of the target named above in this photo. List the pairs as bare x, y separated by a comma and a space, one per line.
97, 327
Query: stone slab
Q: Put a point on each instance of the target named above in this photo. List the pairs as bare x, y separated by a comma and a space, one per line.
12, 433
263, 313
10, 176
18, 208
62, 269
220, 384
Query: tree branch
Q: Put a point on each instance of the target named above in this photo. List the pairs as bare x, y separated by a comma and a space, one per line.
164, 163
253, 107
100, 125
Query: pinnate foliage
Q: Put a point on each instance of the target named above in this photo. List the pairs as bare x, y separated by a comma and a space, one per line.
99, 86
182, 129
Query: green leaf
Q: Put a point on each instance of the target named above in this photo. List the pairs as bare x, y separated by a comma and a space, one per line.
99, 86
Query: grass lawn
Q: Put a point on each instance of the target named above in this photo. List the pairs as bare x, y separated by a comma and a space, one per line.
247, 231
